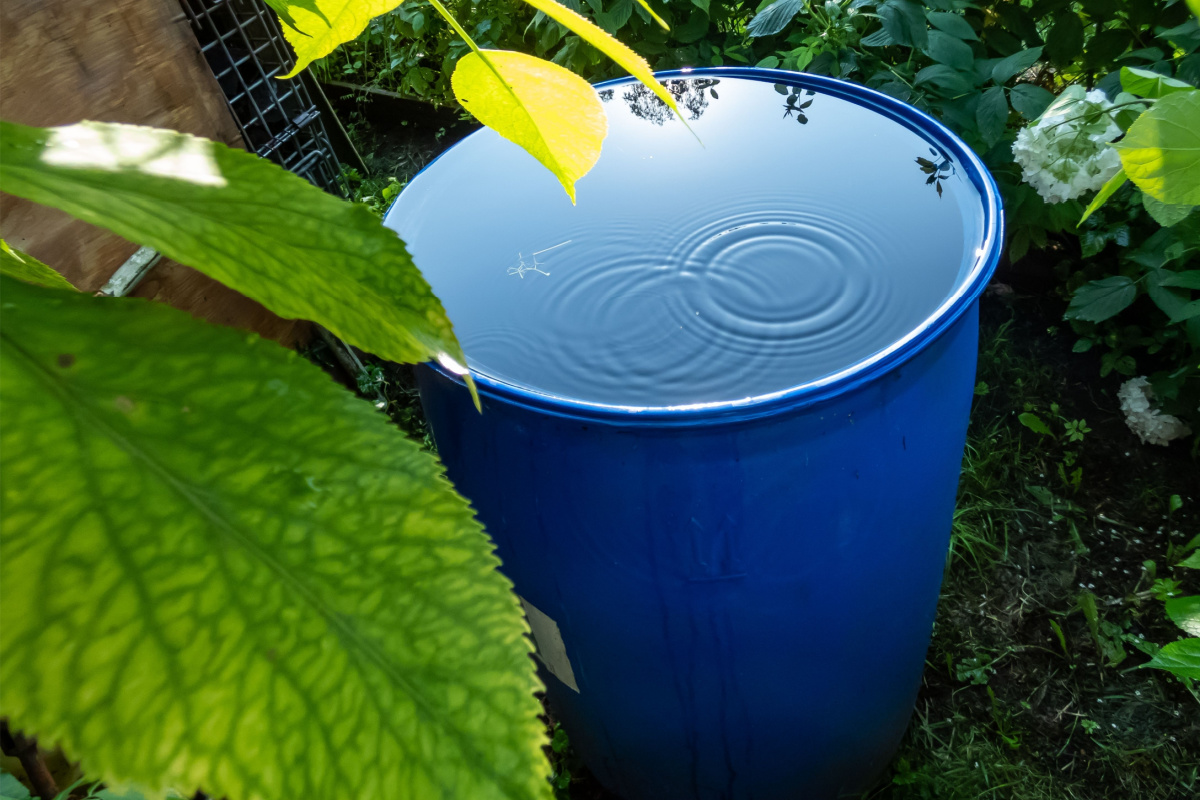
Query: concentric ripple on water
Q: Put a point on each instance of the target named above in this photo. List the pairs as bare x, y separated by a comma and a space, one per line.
778, 252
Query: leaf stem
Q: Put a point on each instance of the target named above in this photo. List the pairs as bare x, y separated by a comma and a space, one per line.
18, 746
466, 37
1098, 114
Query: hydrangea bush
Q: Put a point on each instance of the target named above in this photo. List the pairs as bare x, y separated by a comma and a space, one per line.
1066, 153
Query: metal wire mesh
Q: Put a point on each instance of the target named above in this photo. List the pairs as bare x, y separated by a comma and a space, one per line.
245, 48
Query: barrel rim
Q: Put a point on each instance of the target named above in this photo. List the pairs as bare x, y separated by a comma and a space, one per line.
861, 372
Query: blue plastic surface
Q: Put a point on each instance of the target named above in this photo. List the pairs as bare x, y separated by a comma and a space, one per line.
743, 589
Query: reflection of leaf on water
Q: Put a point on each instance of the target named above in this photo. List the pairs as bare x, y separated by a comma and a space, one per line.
795, 101
938, 170
691, 94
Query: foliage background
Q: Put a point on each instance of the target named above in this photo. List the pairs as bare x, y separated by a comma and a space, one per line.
985, 68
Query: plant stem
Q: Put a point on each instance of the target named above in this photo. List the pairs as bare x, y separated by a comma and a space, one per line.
1098, 114
18, 746
441, 9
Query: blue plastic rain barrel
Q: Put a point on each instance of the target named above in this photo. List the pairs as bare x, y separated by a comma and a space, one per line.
725, 400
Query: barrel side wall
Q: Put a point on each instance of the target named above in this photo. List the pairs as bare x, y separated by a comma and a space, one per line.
746, 606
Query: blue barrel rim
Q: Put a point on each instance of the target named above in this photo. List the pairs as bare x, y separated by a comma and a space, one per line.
853, 376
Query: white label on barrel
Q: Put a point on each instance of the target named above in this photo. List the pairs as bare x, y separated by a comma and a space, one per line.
550, 648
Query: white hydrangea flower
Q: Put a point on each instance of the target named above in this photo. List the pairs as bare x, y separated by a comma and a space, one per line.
1066, 153
1151, 425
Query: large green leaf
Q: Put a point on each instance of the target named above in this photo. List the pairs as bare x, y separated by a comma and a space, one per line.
953, 24
548, 110
1181, 659
25, 267
1096, 301
1165, 214
992, 114
1185, 612
1015, 64
904, 22
1161, 150
250, 224
949, 50
1030, 100
218, 569
774, 18
1147, 83
315, 27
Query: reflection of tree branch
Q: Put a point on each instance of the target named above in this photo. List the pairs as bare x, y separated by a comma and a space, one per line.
937, 171
796, 104
692, 94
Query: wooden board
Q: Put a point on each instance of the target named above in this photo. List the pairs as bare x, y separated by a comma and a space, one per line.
134, 61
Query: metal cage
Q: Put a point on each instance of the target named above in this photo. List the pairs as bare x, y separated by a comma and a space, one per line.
245, 48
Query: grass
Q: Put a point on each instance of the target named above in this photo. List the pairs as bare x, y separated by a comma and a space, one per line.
1020, 700
1024, 696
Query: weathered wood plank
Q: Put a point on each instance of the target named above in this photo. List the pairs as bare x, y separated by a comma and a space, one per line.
133, 61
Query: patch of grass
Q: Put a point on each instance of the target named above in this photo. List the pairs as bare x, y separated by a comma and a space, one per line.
1033, 688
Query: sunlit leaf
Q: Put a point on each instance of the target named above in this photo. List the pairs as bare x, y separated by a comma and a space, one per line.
625, 58
1181, 659
1192, 561
1146, 83
1106, 191
315, 27
1185, 612
546, 109
284, 9
240, 219
220, 570
25, 267
662, 23
1161, 150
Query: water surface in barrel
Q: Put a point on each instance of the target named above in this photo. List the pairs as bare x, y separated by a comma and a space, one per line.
801, 234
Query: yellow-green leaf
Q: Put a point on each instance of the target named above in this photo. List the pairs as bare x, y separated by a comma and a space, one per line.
220, 569
662, 22
315, 27
1106, 191
240, 219
1161, 150
628, 60
550, 111
25, 267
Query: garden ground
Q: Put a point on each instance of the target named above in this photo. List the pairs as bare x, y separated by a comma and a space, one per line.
1066, 531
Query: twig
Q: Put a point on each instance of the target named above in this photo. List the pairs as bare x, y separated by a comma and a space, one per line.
342, 353
18, 746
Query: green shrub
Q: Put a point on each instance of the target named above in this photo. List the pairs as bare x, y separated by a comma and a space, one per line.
985, 69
